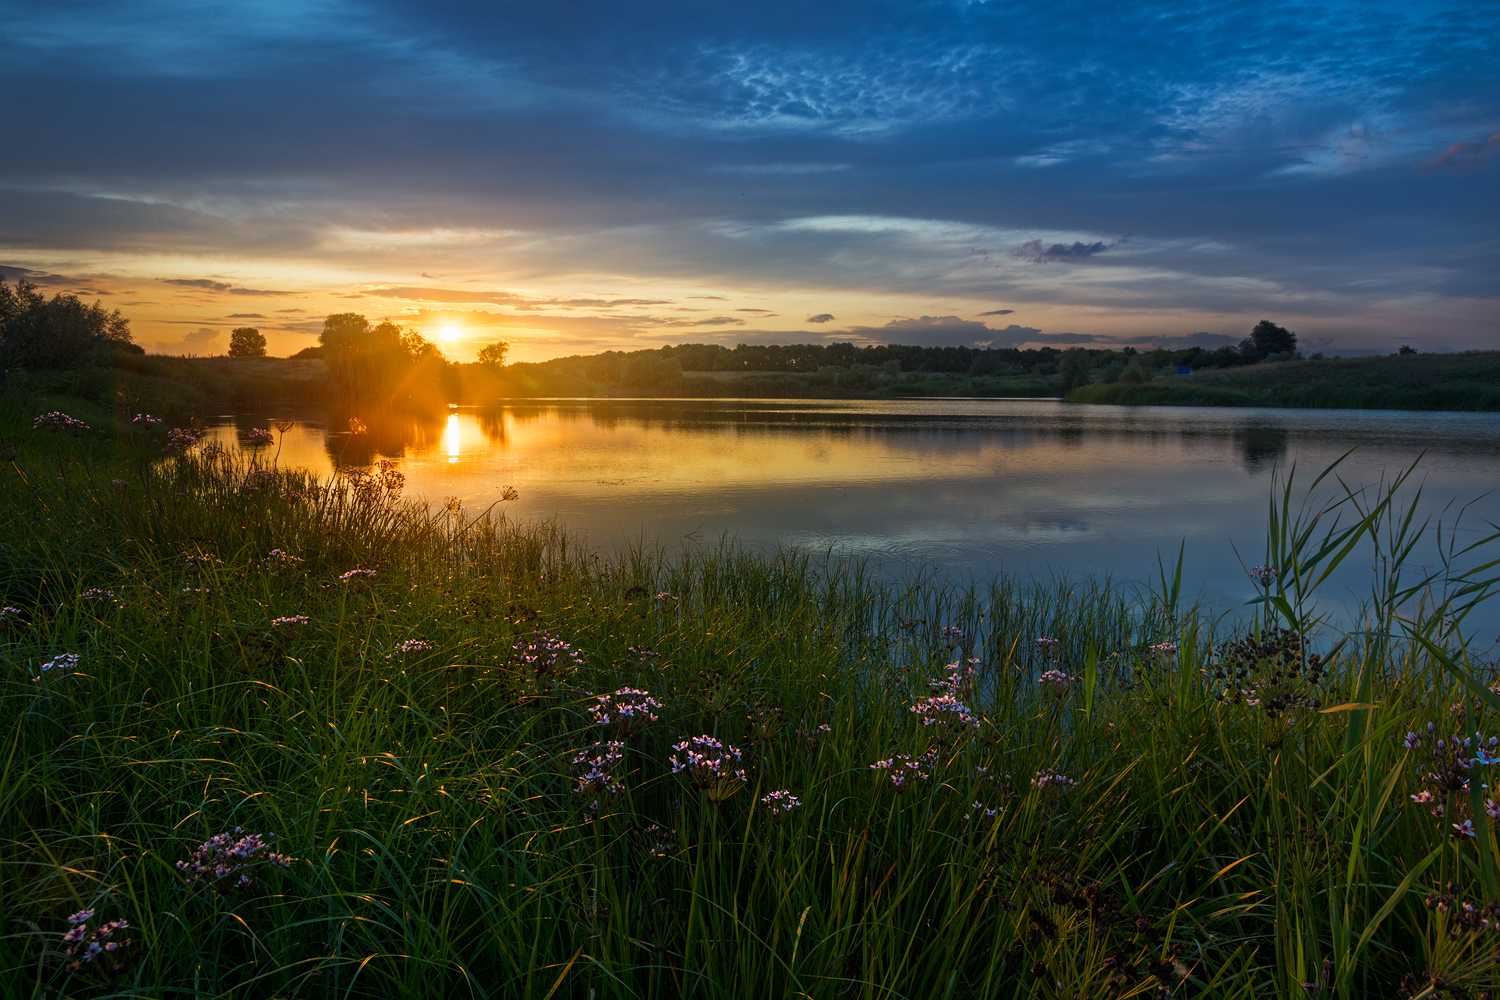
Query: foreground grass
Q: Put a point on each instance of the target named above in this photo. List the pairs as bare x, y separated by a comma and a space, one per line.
1165, 810
1467, 381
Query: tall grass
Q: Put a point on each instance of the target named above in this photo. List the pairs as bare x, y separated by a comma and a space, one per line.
1181, 804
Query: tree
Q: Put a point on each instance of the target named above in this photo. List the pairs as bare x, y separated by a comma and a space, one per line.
493, 355
369, 362
1073, 366
1267, 339
247, 342
58, 333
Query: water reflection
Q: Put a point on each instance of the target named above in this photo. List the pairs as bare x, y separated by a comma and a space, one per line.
975, 485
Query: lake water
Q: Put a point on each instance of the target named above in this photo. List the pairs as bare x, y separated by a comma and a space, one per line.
968, 486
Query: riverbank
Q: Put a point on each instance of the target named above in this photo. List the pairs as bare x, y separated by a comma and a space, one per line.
1468, 381
470, 758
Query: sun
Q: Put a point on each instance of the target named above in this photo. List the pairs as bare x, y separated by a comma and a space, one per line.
450, 333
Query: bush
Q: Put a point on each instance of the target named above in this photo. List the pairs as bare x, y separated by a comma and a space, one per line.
59, 333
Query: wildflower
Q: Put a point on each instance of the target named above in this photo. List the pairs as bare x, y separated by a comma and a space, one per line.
1164, 648
1464, 829
180, 440
411, 646
1046, 642
202, 562
959, 679
196, 591
952, 637
1048, 780
711, 765
664, 599
146, 420
119, 484
102, 949
291, 495
1263, 575
357, 575
259, 480
904, 770
255, 437
290, 622
945, 710
213, 451
983, 811
546, 654
279, 557
61, 665
97, 595
594, 772
812, 737
59, 422
629, 710
1056, 682
642, 652
780, 803
230, 856
9, 616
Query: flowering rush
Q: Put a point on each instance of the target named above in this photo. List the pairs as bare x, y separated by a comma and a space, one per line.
945, 710
1048, 780
1056, 682
58, 422
547, 654
1263, 575
290, 621
1164, 648
60, 665
780, 802
257, 437
278, 557
904, 770
230, 856
357, 575
629, 710
960, 677
410, 646
1046, 643
708, 763
180, 441
594, 771
98, 595
146, 420
84, 946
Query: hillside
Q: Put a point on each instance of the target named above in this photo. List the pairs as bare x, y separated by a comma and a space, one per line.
1467, 381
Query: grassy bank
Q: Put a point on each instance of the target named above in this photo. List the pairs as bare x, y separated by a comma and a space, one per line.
1468, 381
925, 800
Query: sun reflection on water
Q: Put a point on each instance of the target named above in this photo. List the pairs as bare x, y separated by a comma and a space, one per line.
451, 437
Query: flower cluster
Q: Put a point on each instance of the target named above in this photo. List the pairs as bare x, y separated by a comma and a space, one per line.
180, 440
9, 616
946, 711
1444, 767
812, 737
357, 575
1263, 575
61, 665
628, 710
713, 766
213, 451
1048, 780
1056, 682
279, 557
1275, 674
959, 679
1464, 918
98, 595
59, 422
290, 621
202, 562
256, 437
1163, 648
904, 770
96, 949
780, 803
226, 860
952, 637
410, 646
547, 655
594, 772
664, 600
146, 420
260, 479
1046, 643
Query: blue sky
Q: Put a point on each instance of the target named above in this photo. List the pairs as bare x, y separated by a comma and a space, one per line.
582, 176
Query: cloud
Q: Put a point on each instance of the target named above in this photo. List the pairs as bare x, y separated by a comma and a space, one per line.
246, 316
766, 311
820, 318
219, 286
998, 312
515, 300
1034, 251
1468, 154
200, 339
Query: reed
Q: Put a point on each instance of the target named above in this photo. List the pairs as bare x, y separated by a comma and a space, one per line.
1013, 788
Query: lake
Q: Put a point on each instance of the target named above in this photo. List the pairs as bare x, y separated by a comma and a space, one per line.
969, 487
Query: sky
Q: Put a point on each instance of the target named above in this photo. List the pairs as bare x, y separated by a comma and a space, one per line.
585, 176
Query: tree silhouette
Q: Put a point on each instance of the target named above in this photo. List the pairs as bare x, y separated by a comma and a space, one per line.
247, 342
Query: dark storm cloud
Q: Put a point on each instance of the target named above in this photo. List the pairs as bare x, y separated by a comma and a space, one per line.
1287, 135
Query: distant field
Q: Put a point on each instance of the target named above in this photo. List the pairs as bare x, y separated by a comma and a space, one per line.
1468, 381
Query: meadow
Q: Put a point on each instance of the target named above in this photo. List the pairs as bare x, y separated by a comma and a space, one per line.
268, 736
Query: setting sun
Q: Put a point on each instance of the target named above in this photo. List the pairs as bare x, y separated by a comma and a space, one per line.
450, 333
